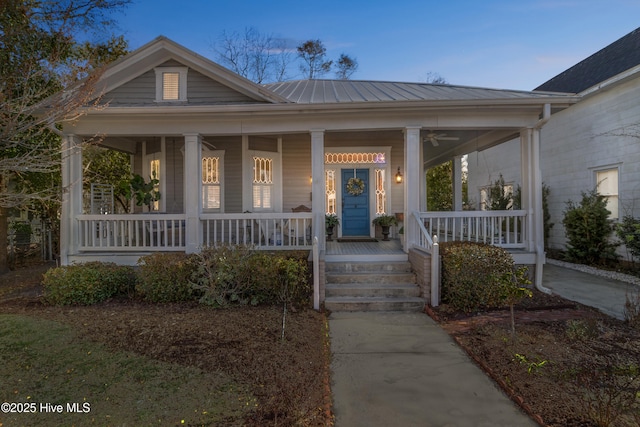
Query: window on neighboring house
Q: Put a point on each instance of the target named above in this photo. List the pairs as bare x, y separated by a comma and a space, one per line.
607, 182
262, 183
211, 182
171, 84
483, 198
487, 199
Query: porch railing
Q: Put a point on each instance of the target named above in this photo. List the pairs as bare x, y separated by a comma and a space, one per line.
500, 228
430, 245
166, 232
262, 230
136, 232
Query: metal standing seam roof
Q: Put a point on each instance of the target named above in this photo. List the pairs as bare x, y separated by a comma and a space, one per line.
351, 91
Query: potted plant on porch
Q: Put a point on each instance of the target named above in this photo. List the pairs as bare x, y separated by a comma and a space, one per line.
331, 220
385, 222
145, 193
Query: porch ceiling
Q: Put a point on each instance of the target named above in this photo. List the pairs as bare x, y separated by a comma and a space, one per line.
127, 145
449, 143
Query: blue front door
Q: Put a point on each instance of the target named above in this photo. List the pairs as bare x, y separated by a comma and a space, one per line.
355, 207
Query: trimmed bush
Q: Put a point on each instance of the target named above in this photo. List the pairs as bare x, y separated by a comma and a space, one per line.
588, 228
164, 277
476, 275
292, 286
628, 231
88, 283
238, 275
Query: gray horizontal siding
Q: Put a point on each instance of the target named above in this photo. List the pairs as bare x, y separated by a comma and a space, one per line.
201, 90
139, 91
232, 173
296, 170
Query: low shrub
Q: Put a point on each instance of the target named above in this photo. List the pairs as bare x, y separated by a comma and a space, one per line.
88, 283
582, 329
476, 275
292, 286
238, 275
164, 277
631, 310
628, 231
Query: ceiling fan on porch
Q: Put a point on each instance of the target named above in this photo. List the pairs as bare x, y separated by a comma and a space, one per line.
433, 138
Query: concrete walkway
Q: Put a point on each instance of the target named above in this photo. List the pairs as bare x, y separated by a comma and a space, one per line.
402, 369
607, 295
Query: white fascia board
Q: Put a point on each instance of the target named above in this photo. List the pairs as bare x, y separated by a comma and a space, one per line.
614, 81
161, 50
363, 107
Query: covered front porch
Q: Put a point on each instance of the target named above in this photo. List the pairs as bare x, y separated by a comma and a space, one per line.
282, 206
273, 193
276, 197
266, 191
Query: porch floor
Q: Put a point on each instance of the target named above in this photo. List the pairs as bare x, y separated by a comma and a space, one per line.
381, 250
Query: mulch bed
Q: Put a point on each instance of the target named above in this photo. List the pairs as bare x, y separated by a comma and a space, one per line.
547, 370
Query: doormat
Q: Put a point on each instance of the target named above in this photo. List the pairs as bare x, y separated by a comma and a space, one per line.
356, 239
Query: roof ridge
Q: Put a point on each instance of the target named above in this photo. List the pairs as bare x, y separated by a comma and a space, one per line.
613, 59
298, 81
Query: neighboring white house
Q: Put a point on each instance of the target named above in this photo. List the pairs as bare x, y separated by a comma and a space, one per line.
594, 142
238, 162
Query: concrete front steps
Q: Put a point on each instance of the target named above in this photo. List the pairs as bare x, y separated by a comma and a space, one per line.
371, 286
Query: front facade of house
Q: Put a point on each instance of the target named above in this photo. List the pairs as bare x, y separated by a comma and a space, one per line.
262, 165
592, 143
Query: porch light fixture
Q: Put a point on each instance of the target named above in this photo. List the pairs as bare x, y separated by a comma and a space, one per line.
398, 176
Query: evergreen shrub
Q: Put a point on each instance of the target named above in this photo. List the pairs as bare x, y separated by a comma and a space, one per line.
239, 275
164, 277
477, 275
588, 228
628, 231
88, 283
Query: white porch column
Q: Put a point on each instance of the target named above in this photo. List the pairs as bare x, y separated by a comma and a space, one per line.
423, 179
527, 189
318, 185
192, 190
531, 199
413, 166
71, 196
457, 183
538, 225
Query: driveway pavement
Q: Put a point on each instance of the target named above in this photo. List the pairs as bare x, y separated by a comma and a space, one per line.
606, 294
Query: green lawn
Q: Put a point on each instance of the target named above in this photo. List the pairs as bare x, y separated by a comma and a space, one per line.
45, 364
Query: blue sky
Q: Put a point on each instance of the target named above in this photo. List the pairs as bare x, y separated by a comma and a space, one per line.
506, 44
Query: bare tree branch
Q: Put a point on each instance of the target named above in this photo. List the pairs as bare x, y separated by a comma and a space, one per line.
255, 56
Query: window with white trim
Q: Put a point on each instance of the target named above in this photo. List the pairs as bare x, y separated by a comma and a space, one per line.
171, 84
154, 167
607, 182
262, 183
381, 195
212, 166
330, 191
